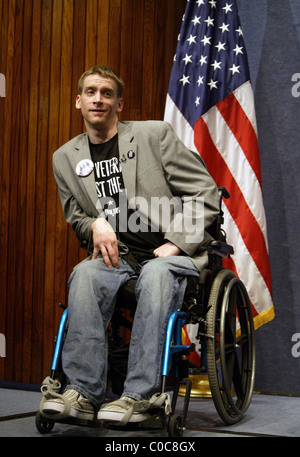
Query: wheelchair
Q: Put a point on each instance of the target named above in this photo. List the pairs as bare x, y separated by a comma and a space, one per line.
218, 305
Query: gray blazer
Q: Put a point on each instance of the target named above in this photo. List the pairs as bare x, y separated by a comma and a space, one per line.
156, 167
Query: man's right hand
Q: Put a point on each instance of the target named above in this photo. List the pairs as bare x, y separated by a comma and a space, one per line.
105, 240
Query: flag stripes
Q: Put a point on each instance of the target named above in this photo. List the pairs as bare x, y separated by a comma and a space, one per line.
242, 130
229, 168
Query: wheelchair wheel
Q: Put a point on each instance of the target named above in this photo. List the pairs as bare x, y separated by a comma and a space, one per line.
175, 428
230, 347
42, 424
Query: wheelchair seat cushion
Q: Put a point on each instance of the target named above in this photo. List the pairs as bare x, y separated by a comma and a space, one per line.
126, 295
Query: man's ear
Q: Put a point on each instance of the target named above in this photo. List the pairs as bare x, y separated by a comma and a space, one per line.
120, 105
78, 102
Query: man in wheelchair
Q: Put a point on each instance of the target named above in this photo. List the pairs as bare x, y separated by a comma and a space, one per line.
141, 202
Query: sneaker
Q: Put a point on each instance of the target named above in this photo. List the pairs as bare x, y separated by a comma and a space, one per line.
124, 410
70, 404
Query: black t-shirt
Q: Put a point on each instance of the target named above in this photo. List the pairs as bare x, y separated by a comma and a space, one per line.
111, 194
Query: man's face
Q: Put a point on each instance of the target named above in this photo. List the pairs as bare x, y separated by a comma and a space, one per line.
99, 103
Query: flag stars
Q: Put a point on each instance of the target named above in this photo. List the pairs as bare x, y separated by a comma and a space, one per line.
196, 20
224, 27
234, 69
206, 40
210, 57
220, 46
192, 39
203, 60
187, 59
212, 84
216, 65
200, 80
185, 80
238, 50
209, 21
227, 8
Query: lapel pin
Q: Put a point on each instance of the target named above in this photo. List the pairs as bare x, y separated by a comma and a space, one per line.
130, 154
84, 168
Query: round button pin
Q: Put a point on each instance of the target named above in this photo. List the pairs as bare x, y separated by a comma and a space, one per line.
130, 154
84, 168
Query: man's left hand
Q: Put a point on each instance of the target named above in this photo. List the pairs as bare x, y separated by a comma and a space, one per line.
166, 250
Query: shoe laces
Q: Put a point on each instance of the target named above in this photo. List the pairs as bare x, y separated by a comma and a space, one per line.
135, 406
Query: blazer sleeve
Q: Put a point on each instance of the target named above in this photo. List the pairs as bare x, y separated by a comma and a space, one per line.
189, 179
73, 212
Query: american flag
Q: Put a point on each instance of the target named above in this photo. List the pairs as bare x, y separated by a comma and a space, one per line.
210, 106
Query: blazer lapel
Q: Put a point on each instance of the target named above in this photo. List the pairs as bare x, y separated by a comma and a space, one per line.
81, 152
128, 153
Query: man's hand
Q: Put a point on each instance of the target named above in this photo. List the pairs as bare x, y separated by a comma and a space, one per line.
105, 240
166, 250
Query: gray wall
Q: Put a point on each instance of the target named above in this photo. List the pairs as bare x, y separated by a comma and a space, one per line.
272, 37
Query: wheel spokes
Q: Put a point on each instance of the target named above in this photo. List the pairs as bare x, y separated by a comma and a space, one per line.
232, 352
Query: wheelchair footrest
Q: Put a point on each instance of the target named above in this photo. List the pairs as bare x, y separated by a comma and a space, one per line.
84, 423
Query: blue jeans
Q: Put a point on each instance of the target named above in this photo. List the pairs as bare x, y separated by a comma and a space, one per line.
92, 296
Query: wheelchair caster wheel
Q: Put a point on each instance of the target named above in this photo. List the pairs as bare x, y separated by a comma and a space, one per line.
175, 426
42, 424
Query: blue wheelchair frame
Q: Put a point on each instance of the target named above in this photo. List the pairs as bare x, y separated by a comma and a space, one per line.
177, 321
173, 350
59, 342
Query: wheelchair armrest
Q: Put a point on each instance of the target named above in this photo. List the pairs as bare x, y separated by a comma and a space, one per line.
220, 248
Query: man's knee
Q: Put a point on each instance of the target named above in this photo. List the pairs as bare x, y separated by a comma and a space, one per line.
156, 266
83, 269
177, 265
155, 273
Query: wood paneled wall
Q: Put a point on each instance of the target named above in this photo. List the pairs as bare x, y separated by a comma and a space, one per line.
45, 45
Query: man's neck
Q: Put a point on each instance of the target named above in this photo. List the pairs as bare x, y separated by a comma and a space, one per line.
98, 136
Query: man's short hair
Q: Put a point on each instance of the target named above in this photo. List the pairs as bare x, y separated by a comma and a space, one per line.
106, 72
